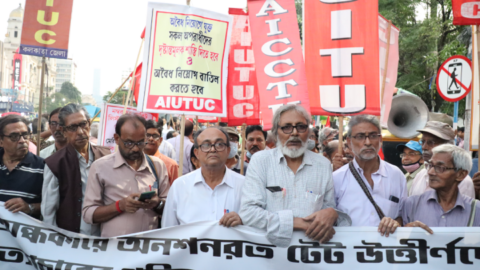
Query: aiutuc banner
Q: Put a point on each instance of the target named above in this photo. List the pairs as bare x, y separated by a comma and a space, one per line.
342, 56
278, 56
26, 243
110, 115
46, 28
242, 88
185, 61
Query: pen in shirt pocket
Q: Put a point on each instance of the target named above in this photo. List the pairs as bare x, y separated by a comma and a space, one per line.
226, 211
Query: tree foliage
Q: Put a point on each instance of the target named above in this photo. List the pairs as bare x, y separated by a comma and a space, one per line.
68, 94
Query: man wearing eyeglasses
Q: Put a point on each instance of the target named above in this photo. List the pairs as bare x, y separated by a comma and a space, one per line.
290, 188
57, 133
66, 173
21, 172
369, 189
212, 192
153, 142
443, 205
435, 134
412, 160
116, 183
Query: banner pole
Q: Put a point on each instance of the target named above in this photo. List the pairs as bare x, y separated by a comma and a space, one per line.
340, 135
182, 137
132, 85
242, 156
475, 59
110, 99
196, 122
219, 120
40, 102
384, 79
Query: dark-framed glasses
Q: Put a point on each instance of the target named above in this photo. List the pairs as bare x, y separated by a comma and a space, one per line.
289, 128
74, 127
411, 154
438, 168
53, 123
153, 136
14, 137
219, 147
130, 144
361, 137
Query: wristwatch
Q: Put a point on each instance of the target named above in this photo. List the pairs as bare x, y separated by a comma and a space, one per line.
31, 209
160, 205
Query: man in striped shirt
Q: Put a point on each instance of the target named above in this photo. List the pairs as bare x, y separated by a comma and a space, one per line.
21, 172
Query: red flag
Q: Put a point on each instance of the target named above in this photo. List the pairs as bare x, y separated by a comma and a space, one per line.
143, 33
466, 12
138, 75
327, 124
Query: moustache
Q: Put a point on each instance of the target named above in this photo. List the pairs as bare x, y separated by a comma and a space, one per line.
254, 147
23, 146
82, 138
367, 148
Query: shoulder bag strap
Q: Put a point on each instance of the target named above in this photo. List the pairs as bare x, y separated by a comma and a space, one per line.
150, 163
472, 213
380, 213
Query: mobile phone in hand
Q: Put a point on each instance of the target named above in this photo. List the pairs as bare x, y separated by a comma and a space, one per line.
146, 195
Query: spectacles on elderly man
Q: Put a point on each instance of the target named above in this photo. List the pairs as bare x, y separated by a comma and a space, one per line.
130, 144
411, 154
361, 137
73, 128
219, 147
289, 128
438, 168
15, 137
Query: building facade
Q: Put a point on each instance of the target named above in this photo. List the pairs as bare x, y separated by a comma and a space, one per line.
66, 72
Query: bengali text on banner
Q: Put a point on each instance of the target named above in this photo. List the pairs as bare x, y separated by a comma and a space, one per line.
185, 61
278, 56
46, 28
29, 244
342, 56
242, 89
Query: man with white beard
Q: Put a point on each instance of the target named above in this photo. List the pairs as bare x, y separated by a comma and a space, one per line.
289, 188
369, 189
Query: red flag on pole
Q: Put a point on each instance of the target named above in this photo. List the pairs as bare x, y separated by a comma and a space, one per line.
138, 75
143, 33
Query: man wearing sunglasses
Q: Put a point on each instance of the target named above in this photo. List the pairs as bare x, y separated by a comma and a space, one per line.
443, 205
116, 183
21, 172
66, 173
57, 133
435, 134
369, 189
212, 192
290, 188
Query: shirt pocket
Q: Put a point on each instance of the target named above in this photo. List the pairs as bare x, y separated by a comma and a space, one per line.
274, 201
389, 208
314, 201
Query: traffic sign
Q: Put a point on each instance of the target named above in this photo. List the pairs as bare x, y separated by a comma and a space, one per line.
454, 78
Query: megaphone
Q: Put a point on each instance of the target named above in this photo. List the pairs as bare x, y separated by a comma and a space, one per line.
408, 114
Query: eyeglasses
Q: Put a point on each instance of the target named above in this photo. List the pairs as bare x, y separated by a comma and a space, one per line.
130, 144
14, 137
53, 123
411, 154
73, 128
154, 136
219, 147
430, 143
289, 129
362, 137
438, 168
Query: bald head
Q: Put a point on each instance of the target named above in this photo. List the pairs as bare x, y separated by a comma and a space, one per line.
188, 128
330, 149
271, 140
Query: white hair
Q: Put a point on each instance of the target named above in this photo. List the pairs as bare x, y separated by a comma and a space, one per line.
461, 158
286, 108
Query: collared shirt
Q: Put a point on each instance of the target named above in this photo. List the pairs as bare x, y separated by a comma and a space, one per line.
187, 147
112, 179
45, 153
167, 149
51, 194
426, 209
172, 166
308, 190
388, 181
191, 199
24, 181
411, 176
421, 184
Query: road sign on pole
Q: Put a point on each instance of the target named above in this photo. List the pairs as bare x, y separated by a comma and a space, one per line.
454, 78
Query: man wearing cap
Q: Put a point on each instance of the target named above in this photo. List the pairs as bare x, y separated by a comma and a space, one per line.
233, 161
412, 160
434, 134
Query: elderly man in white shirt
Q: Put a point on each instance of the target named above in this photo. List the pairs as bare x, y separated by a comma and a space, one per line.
434, 134
369, 189
211, 193
289, 188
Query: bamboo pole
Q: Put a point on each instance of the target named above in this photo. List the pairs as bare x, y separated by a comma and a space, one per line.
384, 79
219, 120
242, 156
110, 99
196, 122
182, 139
40, 102
132, 85
340, 135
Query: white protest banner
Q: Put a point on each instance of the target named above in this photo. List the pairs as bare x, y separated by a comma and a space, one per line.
26, 243
110, 115
186, 61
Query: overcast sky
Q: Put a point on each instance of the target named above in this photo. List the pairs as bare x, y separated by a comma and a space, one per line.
105, 34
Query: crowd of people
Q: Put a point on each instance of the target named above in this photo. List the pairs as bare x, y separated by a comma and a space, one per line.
295, 176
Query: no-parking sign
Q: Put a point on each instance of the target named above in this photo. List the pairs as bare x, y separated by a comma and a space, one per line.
454, 79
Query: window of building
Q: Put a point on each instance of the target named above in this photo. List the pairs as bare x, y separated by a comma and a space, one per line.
16, 34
